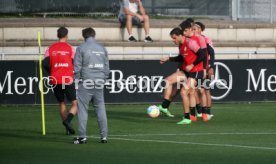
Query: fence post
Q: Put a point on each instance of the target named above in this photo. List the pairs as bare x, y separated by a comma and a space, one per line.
234, 10
271, 11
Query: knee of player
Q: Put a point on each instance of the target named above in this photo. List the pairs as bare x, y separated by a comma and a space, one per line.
184, 92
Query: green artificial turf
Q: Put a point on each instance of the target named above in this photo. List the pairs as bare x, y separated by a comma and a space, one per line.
238, 133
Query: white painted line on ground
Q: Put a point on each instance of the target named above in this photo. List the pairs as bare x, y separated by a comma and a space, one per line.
194, 134
195, 143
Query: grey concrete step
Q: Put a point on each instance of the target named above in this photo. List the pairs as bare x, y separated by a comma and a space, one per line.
31, 43
110, 30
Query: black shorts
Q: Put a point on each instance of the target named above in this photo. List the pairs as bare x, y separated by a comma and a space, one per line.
194, 75
62, 89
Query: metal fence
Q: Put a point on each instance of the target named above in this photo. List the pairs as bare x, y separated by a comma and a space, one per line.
250, 10
254, 10
163, 7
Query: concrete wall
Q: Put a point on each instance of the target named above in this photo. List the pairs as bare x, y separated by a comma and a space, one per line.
119, 34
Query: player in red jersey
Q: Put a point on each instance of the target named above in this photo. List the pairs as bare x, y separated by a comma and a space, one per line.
201, 101
200, 27
191, 57
58, 62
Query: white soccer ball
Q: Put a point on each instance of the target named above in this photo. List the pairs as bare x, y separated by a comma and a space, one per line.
153, 111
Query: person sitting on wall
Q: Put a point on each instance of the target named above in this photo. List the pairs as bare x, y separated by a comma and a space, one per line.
131, 13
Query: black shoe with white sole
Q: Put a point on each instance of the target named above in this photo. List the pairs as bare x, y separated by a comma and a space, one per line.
103, 140
132, 39
148, 39
80, 140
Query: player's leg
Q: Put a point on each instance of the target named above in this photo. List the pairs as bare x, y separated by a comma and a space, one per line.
174, 78
192, 98
194, 81
208, 94
99, 108
70, 93
198, 103
184, 92
59, 94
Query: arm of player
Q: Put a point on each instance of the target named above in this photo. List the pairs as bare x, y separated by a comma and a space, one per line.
46, 64
77, 64
211, 52
178, 58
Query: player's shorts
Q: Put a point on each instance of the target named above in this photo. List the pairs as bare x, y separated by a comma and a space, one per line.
194, 75
135, 20
68, 90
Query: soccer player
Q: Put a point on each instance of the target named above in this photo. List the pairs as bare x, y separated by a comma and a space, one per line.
200, 27
191, 56
201, 101
59, 62
91, 70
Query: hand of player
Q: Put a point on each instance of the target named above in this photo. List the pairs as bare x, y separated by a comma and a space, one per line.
189, 67
164, 60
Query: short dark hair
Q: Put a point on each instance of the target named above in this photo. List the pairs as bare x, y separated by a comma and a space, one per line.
201, 25
176, 31
191, 20
88, 32
62, 32
185, 24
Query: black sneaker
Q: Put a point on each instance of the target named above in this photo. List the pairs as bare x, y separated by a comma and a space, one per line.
148, 39
132, 39
68, 127
103, 140
80, 140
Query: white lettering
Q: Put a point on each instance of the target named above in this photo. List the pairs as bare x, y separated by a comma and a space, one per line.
17, 84
270, 82
8, 76
261, 79
130, 82
116, 81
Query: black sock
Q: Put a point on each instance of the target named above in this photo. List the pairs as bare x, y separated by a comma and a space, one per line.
187, 115
166, 103
208, 110
69, 117
204, 110
198, 108
193, 111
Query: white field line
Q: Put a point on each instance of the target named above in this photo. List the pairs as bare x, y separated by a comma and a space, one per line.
195, 143
191, 143
117, 137
194, 134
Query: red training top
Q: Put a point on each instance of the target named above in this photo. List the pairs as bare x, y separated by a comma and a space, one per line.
62, 68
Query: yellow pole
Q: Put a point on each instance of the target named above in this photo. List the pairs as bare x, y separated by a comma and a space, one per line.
41, 85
